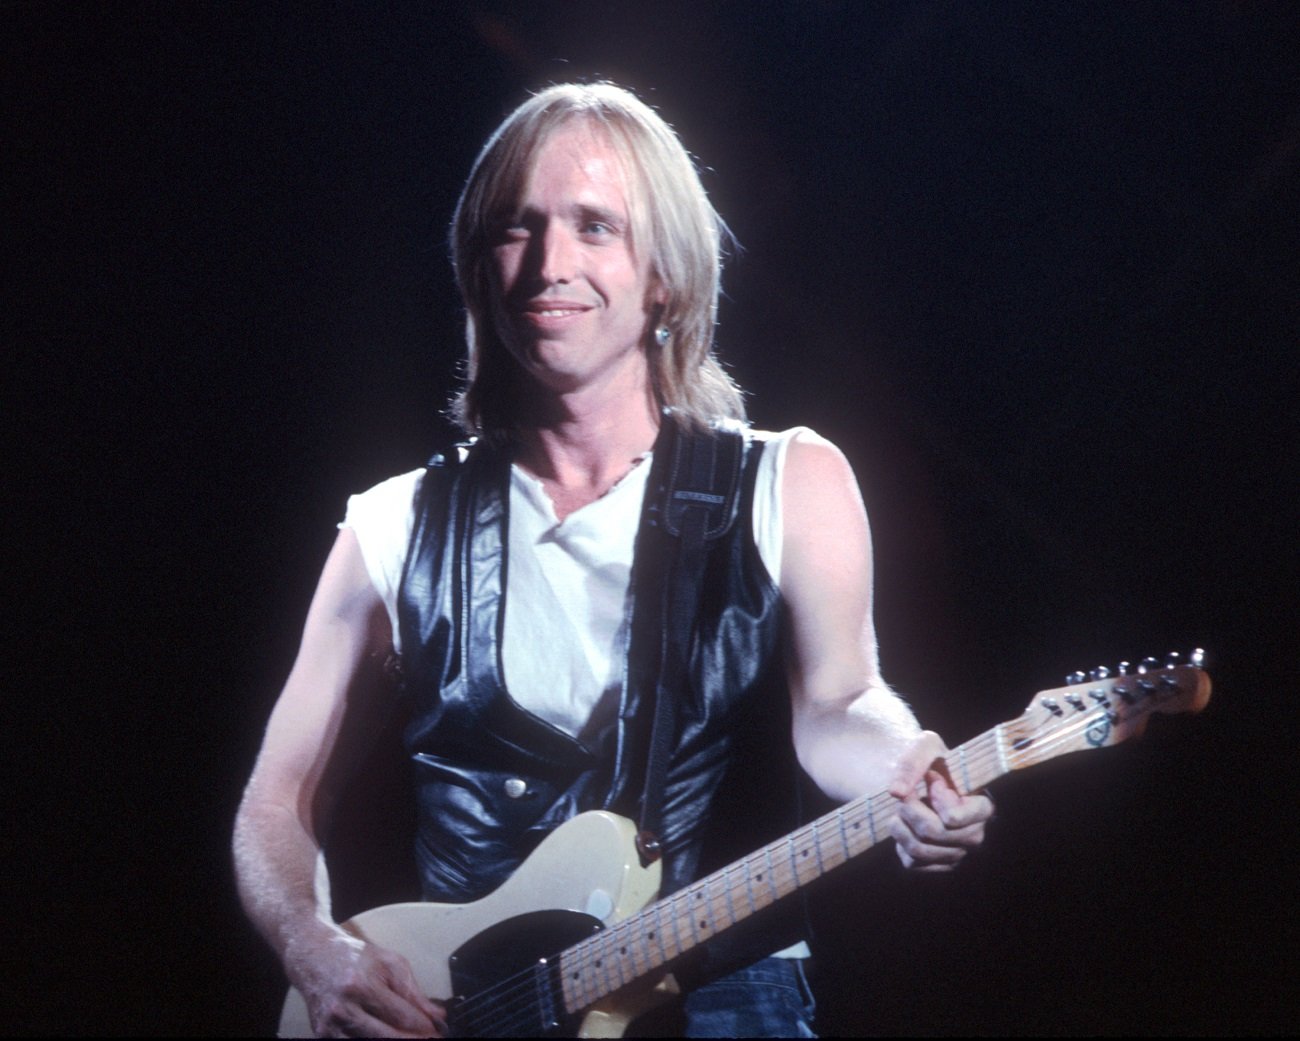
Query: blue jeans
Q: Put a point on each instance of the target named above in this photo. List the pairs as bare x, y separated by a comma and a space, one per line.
770, 998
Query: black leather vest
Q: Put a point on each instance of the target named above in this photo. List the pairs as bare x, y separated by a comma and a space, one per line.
492, 779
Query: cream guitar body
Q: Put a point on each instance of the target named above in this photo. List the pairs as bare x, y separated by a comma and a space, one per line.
584, 876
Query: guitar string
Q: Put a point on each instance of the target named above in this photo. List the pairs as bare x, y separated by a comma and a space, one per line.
582, 956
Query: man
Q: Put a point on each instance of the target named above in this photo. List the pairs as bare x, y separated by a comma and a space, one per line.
523, 585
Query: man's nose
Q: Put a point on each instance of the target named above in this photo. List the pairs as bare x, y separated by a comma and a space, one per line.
558, 257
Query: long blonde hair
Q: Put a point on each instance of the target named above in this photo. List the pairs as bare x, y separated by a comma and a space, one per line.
672, 219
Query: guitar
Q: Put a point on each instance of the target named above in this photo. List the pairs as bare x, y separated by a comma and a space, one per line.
572, 944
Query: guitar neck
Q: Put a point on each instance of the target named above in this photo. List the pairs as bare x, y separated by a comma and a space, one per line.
648, 941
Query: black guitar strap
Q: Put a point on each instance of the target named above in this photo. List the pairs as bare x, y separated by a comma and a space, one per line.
699, 505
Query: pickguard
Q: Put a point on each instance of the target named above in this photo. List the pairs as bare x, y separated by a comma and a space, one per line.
505, 979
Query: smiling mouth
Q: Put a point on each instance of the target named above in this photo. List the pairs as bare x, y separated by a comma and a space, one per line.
542, 314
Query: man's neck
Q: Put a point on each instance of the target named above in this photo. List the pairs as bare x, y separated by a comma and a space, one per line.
586, 446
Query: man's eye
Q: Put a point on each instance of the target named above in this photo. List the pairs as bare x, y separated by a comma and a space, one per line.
596, 227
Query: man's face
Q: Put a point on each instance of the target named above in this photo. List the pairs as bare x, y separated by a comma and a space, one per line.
572, 298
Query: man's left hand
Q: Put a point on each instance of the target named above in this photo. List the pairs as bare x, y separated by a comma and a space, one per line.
936, 824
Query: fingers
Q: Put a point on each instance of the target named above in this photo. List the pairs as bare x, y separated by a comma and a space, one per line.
358, 1023
936, 826
953, 808
378, 996
417, 1011
925, 842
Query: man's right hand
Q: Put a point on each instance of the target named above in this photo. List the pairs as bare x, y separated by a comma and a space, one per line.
355, 989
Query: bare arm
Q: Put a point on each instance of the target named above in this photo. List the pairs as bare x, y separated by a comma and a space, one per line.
851, 732
332, 705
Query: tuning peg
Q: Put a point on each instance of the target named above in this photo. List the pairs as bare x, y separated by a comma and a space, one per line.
1124, 669
1197, 659
1148, 665
1099, 673
1075, 677
1172, 659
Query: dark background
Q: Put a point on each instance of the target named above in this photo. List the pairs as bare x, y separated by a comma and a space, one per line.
1033, 266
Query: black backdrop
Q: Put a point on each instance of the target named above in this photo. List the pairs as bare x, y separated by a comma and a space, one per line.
1032, 266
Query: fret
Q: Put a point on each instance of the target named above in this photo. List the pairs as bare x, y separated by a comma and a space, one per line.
749, 886
626, 949
836, 853
667, 932
699, 910
844, 835
806, 846
609, 952
672, 945
570, 997
587, 975
638, 942
871, 822
726, 893
599, 967
853, 814
600, 962
771, 874
798, 858
577, 978
681, 903
656, 935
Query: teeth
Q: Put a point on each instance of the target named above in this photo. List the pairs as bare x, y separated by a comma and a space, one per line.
557, 314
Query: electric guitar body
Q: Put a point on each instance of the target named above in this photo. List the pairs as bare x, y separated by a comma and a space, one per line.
584, 876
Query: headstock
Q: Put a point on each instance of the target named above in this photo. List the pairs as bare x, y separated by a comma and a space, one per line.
1103, 708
